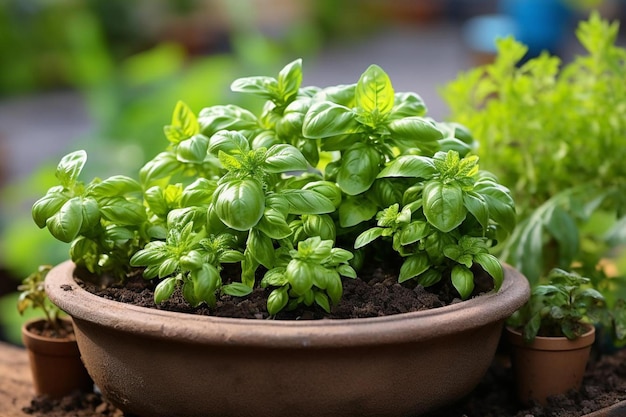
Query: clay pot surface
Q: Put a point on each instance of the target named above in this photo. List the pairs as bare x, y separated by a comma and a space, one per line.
156, 363
549, 365
55, 363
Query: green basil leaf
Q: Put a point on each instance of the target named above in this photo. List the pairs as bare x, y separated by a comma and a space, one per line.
229, 162
277, 300
500, 203
275, 277
189, 293
368, 236
443, 205
322, 300
184, 124
193, 150
413, 266
463, 281
414, 231
339, 256
477, 206
492, 266
184, 118
155, 199
237, 289
230, 142
325, 119
407, 105
274, 224
266, 87
161, 166
206, 281
414, 130
265, 139
47, 206
168, 266
116, 185
327, 189
283, 158
198, 193
239, 203
454, 144
261, 248
69, 168
359, 168
226, 117
230, 256
118, 233
429, 278
122, 211
307, 202
290, 124
164, 289
85, 252
66, 223
289, 80
413, 166
346, 271
341, 94
386, 191
300, 276
354, 210
321, 225
91, 214
374, 92
152, 254
192, 260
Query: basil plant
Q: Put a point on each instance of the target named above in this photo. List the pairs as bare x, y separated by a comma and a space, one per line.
298, 197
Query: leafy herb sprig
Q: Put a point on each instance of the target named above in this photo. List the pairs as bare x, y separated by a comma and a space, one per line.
33, 295
563, 307
554, 132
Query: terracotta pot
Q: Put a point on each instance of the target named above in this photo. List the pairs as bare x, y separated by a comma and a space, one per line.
55, 363
157, 363
549, 365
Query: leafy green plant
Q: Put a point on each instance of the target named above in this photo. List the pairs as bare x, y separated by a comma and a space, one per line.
563, 307
33, 295
297, 195
555, 133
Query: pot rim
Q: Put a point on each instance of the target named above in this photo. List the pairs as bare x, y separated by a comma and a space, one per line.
480, 311
27, 325
553, 343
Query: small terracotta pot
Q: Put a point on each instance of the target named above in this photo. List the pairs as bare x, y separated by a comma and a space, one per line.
549, 365
55, 363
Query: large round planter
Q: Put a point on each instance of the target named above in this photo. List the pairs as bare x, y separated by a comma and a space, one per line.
155, 363
549, 365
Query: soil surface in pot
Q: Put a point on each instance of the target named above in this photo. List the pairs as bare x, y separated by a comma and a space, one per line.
603, 386
378, 295
63, 330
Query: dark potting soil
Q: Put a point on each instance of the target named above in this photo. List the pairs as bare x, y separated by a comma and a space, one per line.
603, 386
379, 295
44, 328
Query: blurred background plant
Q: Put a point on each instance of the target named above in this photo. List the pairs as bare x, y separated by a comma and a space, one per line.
554, 132
105, 75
